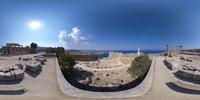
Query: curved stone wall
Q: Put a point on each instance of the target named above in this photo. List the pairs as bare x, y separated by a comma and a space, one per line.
139, 90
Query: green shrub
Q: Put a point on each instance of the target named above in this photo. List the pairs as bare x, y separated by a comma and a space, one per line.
140, 66
66, 62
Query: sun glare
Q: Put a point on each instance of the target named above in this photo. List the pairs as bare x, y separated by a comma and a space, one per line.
35, 24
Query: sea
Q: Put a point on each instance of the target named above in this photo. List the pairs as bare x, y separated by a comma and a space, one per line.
122, 51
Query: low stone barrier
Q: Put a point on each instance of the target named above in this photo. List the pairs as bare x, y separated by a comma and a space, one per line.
139, 90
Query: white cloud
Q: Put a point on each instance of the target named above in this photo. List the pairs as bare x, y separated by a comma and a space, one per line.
75, 34
83, 38
76, 37
62, 35
85, 43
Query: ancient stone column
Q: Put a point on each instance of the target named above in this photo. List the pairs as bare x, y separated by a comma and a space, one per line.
177, 48
167, 48
171, 48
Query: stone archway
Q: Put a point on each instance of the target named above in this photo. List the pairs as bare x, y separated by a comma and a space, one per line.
179, 49
169, 50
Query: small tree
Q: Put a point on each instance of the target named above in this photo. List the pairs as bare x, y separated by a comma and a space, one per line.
140, 66
66, 62
33, 47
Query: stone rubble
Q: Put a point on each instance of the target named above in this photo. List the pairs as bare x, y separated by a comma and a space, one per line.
11, 73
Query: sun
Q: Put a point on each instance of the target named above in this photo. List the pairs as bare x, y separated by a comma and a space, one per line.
35, 24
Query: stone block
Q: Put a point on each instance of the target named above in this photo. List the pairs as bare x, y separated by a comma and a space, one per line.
3, 69
15, 67
11, 68
33, 66
40, 60
19, 74
7, 76
12, 75
7, 69
188, 74
171, 65
1, 75
185, 68
20, 66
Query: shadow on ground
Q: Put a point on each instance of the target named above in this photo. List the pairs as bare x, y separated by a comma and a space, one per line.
12, 92
32, 74
182, 90
11, 82
185, 79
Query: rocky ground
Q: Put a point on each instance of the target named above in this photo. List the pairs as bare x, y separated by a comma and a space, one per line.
102, 75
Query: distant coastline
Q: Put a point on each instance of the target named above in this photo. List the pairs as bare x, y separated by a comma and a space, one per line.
104, 53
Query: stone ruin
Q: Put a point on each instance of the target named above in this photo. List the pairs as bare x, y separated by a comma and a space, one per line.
123, 58
185, 59
171, 52
171, 64
14, 49
190, 71
12, 72
33, 66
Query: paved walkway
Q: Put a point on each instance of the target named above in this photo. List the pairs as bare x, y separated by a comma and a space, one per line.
163, 89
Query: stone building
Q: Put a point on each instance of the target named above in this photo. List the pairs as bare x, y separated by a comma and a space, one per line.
14, 49
55, 50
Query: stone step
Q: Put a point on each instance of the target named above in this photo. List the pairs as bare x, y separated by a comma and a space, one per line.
187, 86
17, 87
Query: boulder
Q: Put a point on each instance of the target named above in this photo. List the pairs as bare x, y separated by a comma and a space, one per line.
33, 66
96, 78
19, 74
104, 83
86, 81
106, 74
110, 84
117, 81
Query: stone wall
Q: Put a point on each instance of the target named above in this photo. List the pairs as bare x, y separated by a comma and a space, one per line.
55, 50
123, 58
192, 50
114, 55
91, 57
14, 49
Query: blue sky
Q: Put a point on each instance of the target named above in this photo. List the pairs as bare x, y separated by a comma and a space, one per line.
102, 24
